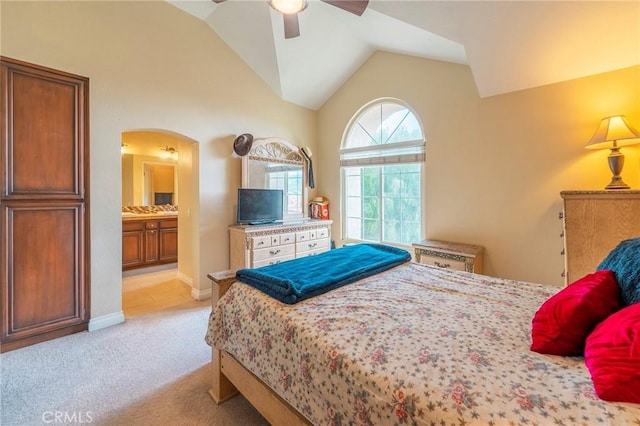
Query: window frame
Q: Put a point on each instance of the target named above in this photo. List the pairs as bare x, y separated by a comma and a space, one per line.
417, 157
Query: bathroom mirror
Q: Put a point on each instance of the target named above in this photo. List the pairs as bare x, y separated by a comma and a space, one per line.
148, 181
274, 163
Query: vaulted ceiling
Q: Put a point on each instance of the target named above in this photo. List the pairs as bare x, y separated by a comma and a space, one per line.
508, 45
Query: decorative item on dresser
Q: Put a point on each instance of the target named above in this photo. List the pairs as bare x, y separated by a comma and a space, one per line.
444, 254
594, 223
252, 246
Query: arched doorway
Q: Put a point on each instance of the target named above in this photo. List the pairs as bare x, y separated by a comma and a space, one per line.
158, 175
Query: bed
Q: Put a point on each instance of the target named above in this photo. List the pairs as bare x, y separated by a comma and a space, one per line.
411, 345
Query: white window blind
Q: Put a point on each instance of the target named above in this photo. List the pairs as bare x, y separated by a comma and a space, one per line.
393, 153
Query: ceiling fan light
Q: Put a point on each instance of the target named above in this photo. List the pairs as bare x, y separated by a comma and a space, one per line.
288, 6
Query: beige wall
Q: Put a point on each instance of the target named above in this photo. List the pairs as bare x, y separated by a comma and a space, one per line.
152, 66
495, 166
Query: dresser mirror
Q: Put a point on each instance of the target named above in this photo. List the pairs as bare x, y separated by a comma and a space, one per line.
273, 163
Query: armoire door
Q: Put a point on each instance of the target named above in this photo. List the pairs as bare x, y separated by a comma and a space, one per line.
44, 204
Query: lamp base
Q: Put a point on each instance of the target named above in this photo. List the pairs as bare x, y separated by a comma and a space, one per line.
616, 161
617, 183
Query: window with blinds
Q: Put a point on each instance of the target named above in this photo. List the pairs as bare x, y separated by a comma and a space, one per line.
382, 157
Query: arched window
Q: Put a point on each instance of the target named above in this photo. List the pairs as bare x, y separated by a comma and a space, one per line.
381, 158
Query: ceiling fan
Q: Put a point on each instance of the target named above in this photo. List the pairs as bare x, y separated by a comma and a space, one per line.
291, 8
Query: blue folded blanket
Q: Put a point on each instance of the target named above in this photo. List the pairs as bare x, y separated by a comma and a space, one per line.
305, 277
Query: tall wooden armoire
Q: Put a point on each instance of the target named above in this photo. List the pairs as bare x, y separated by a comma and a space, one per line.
44, 204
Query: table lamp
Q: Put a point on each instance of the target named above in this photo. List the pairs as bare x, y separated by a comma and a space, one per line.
614, 132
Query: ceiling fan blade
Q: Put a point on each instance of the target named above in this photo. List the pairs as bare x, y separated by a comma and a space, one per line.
291, 26
354, 6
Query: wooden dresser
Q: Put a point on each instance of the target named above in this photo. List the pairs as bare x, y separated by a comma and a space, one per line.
252, 246
447, 255
594, 223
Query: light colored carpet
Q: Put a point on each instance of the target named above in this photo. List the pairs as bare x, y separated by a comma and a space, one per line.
152, 370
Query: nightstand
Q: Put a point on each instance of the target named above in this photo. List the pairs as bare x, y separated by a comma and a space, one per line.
447, 255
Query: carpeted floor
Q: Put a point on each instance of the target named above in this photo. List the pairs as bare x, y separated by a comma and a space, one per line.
151, 370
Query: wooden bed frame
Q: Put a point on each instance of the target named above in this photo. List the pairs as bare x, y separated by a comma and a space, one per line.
229, 377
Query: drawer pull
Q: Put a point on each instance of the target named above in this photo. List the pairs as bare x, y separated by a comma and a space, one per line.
273, 262
260, 243
442, 265
312, 245
274, 252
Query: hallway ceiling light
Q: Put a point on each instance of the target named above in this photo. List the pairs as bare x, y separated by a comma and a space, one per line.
170, 152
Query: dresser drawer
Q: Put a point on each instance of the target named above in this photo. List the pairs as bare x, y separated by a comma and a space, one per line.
302, 236
261, 242
272, 261
441, 262
322, 233
289, 238
273, 252
312, 245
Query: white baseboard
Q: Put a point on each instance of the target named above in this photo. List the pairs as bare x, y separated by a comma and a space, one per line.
185, 278
201, 294
196, 294
105, 321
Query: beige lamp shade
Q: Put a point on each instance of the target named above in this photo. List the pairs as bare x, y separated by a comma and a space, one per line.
614, 131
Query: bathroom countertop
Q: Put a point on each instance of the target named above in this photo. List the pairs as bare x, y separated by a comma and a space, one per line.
158, 215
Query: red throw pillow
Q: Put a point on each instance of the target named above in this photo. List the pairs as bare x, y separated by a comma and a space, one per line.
563, 322
612, 355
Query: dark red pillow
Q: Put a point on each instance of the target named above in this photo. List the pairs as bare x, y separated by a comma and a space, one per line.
612, 355
563, 322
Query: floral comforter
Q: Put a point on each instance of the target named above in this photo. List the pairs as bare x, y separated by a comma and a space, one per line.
413, 345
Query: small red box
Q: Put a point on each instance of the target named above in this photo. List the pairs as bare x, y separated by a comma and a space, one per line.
319, 210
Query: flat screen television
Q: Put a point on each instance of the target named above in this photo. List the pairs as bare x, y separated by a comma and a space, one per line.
258, 206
